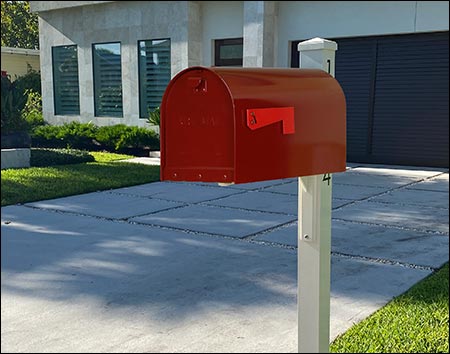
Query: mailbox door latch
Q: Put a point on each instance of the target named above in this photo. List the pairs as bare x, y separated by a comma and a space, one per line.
260, 117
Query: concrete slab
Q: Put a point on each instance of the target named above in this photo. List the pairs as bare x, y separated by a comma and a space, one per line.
392, 244
351, 165
376, 242
178, 192
259, 185
284, 188
76, 283
337, 202
285, 235
407, 216
426, 198
439, 184
155, 161
345, 191
121, 287
385, 178
261, 201
359, 288
340, 191
104, 204
360, 179
399, 171
216, 220
358, 185
382, 167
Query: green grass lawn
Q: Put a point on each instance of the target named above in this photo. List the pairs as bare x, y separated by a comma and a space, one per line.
415, 322
40, 183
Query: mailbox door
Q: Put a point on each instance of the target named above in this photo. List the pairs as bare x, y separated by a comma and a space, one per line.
197, 128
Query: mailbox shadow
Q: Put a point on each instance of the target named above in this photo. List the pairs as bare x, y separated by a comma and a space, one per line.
164, 274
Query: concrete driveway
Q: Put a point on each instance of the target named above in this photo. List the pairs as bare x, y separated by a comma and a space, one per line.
183, 267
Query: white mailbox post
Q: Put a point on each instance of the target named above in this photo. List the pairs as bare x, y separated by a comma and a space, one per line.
314, 230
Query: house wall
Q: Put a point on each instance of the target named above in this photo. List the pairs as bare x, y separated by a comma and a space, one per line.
331, 19
55, 5
16, 64
126, 22
259, 33
252, 20
268, 28
221, 19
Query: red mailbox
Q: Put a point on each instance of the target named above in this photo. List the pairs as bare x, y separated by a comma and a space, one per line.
237, 125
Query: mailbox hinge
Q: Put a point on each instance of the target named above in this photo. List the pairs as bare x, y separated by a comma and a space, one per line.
260, 117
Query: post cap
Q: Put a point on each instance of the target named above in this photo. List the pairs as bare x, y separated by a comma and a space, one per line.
316, 44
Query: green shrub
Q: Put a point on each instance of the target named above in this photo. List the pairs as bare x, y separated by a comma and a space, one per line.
69, 135
120, 137
14, 98
51, 157
46, 136
78, 135
154, 117
109, 136
143, 138
12, 102
32, 111
86, 136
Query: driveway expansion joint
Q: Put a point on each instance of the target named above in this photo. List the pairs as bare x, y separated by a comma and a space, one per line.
405, 186
391, 226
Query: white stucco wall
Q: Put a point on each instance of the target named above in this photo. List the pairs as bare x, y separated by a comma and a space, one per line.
192, 26
220, 19
36, 6
432, 16
118, 21
332, 19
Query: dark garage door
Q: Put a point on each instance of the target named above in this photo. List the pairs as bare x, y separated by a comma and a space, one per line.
396, 89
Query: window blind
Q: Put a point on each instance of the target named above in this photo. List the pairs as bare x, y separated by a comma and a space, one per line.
154, 73
107, 80
65, 80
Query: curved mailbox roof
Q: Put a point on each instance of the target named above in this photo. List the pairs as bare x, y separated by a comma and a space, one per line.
238, 125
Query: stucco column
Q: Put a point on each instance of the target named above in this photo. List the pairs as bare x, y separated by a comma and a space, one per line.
194, 33
259, 33
187, 39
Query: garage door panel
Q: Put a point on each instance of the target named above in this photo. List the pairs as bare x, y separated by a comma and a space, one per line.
410, 116
354, 64
396, 89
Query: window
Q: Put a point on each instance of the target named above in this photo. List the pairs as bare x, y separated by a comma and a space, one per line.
107, 80
65, 80
154, 73
228, 52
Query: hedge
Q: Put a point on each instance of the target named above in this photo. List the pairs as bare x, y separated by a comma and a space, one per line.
52, 157
87, 136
